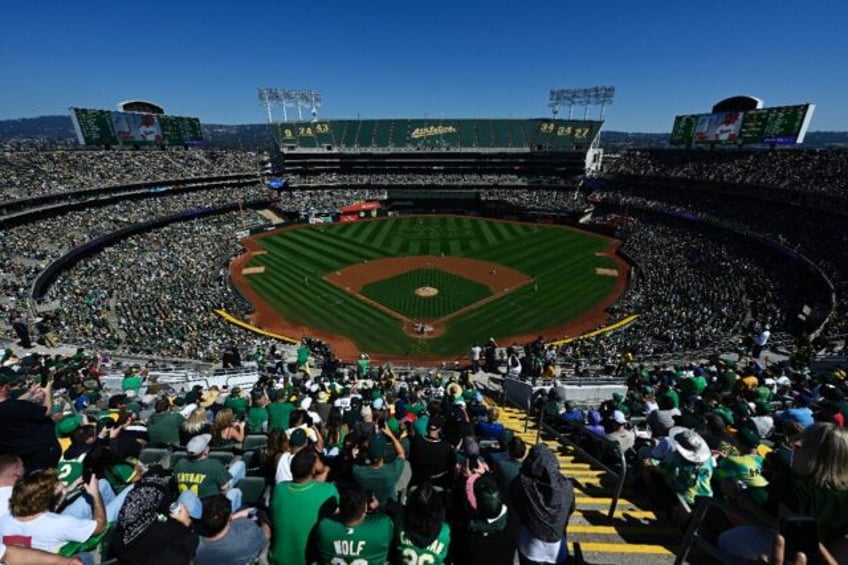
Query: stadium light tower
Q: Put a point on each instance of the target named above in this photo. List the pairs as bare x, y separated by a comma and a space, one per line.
287, 98
586, 97
266, 99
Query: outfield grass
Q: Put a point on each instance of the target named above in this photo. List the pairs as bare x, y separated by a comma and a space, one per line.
563, 262
398, 293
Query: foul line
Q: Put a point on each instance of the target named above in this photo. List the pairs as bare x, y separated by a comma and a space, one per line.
235, 321
612, 327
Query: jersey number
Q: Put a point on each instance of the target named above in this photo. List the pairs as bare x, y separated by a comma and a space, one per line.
412, 558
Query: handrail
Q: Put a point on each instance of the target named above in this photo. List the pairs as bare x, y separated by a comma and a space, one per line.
619, 475
703, 504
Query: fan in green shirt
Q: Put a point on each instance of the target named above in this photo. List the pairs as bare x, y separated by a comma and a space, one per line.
163, 427
423, 536
279, 412
297, 506
236, 402
354, 537
381, 477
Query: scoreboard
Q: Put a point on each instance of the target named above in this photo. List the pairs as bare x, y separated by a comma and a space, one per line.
179, 130
93, 127
780, 125
103, 127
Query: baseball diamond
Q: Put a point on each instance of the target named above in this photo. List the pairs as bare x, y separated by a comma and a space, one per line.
355, 284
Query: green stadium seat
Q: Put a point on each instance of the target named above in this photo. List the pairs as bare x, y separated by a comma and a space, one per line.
383, 133
485, 133
503, 136
224, 457
365, 136
351, 133
468, 133
252, 490
152, 455
253, 442
176, 457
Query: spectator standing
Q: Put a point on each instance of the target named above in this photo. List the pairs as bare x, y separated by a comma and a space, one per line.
236, 402
431, 457
381, 477
297, 506
507, 465
476, 352
26, 429
279, 411
257, 415
760, 341
544, 501
423, 535
354, 535
490, 535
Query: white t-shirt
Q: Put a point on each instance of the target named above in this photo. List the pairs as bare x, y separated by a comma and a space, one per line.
475, 352
5, 496
48, 532
284, 468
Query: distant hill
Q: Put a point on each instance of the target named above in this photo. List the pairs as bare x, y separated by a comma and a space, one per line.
57, 131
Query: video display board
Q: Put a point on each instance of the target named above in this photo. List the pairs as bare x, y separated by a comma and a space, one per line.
780, 125
104, 127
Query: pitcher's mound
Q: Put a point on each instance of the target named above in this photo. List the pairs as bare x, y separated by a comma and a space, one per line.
426, 291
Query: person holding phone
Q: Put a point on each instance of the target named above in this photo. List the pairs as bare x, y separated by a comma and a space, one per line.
817, 487
26, 428
380, 476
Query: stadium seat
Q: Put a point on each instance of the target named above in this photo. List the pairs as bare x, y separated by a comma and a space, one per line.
224, 457
254, 442
252, 489
177, 456
152, 455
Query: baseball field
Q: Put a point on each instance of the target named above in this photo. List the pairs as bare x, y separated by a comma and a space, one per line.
428, 286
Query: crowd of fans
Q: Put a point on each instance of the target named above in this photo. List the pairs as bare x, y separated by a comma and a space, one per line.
29, 248
155, 293
767, 441
360, 463
695, 288
805, 171
433, 178
26, 174
817, 235
407, 467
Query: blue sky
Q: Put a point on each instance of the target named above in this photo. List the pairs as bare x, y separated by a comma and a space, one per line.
378, 58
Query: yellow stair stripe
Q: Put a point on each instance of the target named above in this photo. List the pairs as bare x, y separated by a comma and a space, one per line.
637, 514
592, 547
645, 530
603, 501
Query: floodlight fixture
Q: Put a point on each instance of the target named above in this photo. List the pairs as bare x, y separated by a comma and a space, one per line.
586, 97
266, 100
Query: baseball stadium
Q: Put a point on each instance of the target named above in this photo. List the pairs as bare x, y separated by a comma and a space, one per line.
659, 322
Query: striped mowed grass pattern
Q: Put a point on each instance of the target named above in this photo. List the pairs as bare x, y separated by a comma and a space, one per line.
562, 262
398, 293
